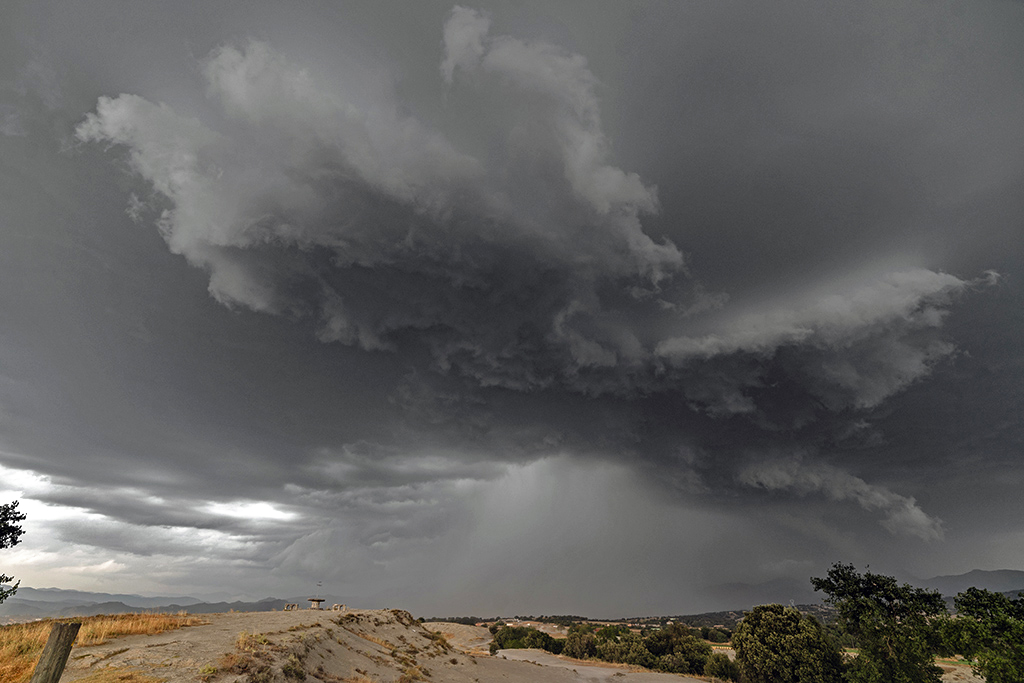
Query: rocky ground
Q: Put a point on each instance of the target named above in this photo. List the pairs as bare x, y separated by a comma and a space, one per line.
352, 646
333, 647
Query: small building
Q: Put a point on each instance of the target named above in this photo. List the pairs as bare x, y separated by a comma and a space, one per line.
314, 603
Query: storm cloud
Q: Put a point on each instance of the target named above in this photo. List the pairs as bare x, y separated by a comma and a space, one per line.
527, 270
689, 275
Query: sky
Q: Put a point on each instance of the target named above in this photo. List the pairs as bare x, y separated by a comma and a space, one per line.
510, 307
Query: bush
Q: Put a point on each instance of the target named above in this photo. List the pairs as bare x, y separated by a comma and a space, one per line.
580, 645
520, 637
626, 649
989, 629
776, 644
720, 666
677, 650
293, 668
717, 636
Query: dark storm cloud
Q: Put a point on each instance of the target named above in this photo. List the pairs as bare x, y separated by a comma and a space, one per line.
506, 285
382, 230
902, 515
525, 269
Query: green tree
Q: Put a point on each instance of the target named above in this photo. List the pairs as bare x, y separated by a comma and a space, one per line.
719, 666
989, 629
637, 653
611, 632
776, 644
627, 648
580, 645
897, 628
10, 535
611, 650
717, 636
524, 637
677, 650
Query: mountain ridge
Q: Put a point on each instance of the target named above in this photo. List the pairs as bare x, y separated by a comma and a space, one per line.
738, 595
998, 580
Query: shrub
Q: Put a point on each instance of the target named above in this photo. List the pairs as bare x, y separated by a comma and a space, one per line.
293, 668
580, 646
519, 637
989, 629
776, 644
677, 650
720, 666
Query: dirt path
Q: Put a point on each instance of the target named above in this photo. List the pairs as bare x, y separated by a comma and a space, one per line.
333, 647
959, 674
179, 655
470, 639
595, 672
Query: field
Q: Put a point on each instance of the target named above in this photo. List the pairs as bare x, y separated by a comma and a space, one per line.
21, 644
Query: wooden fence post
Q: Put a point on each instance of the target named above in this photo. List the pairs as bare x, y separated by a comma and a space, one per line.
55, 655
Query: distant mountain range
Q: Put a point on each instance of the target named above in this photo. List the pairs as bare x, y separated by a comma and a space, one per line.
1000, 581
40, 603
48, 595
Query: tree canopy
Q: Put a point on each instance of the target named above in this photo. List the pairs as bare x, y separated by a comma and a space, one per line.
516, 637
895, 625
989, 630
10, 535
674, 649
776, 644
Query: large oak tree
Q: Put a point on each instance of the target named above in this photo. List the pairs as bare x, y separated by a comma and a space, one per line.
895, 625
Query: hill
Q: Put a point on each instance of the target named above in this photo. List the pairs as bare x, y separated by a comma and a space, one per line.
73, 597
354, 646
1000, 581
41, 603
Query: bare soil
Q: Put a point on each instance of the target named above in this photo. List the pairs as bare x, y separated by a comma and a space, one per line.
352, 646
471, 639
333, 647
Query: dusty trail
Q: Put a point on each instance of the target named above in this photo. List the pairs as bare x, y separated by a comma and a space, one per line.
333, 647
179, 655
354, 646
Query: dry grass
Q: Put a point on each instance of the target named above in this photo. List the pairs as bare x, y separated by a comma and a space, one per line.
383, 642
254, 660
228, 661
21, 644
412, 674
251, 642
98, 630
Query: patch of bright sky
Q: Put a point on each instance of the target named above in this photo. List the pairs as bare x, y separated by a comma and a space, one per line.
249, 510
23, 486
